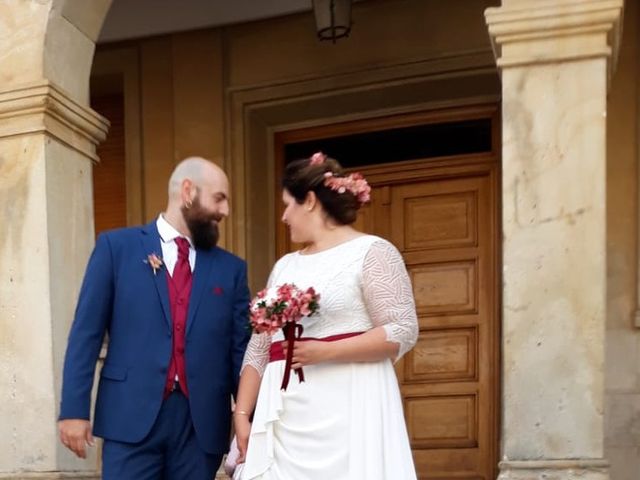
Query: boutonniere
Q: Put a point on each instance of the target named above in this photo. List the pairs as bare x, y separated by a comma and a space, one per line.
154, 261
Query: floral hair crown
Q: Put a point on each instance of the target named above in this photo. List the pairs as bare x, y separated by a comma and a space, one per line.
354, 182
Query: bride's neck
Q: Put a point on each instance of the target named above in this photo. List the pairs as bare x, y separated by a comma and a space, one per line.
331, 237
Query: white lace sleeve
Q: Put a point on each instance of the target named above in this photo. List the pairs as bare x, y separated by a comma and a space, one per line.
388, 295
257, 353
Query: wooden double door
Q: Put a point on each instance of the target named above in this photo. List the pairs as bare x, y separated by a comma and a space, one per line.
443, 217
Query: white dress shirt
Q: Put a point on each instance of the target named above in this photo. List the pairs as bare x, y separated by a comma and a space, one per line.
170, 248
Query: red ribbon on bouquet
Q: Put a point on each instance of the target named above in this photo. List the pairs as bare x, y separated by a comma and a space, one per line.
292, 331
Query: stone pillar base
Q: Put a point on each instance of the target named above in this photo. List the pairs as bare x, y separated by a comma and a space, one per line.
67, 476
50, 476
585, 469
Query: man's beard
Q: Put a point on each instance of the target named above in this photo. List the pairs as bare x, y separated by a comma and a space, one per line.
202, 225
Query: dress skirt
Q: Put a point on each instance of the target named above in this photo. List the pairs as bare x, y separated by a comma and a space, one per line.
344, 422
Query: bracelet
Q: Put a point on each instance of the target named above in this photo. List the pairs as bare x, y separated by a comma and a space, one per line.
240, 412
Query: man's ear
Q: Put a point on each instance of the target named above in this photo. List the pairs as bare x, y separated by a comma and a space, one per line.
187, 192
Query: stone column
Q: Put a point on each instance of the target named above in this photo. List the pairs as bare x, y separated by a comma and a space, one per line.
47, 146
555, 58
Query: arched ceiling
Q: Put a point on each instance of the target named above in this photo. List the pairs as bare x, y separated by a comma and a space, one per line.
140, 18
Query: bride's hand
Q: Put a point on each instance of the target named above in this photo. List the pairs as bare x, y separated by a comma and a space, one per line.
309, 352
243, 428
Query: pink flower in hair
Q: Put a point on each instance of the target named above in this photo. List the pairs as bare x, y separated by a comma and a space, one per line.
318, 158
355, 183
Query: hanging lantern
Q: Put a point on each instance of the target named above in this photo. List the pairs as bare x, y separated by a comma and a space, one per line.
333, 18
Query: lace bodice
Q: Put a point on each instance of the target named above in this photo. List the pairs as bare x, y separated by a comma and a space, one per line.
363, 283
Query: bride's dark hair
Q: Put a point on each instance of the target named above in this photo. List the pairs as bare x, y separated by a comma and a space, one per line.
310, 175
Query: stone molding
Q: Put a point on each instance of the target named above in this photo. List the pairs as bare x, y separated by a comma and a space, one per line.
45, 108
553, 31
585, 469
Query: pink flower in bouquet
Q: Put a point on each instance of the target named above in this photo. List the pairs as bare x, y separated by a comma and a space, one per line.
274, 307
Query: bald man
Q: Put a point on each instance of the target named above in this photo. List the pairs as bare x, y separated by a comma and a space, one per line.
174, 306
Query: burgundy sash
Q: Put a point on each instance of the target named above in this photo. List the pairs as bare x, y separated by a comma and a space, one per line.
276, 351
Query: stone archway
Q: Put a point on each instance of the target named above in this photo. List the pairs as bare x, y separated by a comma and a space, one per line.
48, 136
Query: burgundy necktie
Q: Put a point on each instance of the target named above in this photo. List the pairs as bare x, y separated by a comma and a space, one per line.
182, 270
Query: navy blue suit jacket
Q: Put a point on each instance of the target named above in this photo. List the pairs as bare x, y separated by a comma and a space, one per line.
122, 297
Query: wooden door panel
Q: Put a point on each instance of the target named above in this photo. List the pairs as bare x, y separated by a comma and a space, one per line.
439, 220
443, 354
445, 288
442, 421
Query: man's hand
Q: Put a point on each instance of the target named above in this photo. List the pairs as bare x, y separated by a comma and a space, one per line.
76, 435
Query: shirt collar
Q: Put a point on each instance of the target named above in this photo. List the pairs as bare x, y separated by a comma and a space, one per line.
167, 232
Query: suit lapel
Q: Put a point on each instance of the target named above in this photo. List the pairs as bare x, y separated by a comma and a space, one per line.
151, 244
205, 260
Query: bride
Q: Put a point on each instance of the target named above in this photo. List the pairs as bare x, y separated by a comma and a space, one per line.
345, 421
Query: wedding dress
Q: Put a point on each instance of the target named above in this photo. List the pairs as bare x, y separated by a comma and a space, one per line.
345, 421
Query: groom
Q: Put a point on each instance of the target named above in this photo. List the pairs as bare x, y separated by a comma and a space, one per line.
174, 308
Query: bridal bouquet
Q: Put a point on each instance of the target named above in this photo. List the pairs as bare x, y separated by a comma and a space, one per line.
275, 307
282, 307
